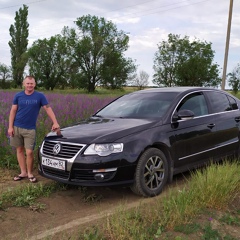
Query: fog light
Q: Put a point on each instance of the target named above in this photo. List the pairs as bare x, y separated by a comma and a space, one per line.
99, 176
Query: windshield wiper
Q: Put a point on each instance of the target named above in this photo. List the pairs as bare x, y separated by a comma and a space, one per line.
99, 116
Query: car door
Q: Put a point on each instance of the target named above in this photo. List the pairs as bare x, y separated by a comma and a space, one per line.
227, 119
194, 138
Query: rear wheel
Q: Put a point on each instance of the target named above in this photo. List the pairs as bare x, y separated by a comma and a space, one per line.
151, 173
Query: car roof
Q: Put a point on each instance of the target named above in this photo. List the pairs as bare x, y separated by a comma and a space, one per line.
175, 89
181, 91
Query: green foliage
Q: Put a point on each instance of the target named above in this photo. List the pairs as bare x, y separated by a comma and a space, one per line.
181, 62
97, 48
229, 237
210, 233
213, 187
178, 208
187, 228
8, 159
218, 192
50, 62
92, 198
18, 44
230, 219
92, 234
234, 79
26, 195
85, 57
5, 75
116, 71
131, 224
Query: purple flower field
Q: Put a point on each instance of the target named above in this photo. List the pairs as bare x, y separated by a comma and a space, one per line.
68, 109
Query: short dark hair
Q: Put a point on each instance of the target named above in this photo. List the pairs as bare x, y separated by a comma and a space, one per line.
30, 77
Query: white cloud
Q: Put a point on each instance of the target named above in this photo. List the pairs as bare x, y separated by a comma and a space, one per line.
147, 22
124, 20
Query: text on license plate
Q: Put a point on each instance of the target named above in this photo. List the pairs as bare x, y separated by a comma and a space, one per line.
58, 164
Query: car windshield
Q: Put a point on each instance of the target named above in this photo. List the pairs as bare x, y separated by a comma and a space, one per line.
139, 105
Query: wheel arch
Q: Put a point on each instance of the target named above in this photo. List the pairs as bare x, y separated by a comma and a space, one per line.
167, 154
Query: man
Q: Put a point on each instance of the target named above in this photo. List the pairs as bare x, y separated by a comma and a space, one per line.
22, 125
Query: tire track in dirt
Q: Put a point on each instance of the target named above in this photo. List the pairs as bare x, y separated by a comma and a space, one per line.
67, 211
88, 220
85, 220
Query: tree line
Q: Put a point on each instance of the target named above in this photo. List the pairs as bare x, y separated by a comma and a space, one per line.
92, 54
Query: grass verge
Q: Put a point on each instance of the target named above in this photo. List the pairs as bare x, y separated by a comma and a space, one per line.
173, 216
214, 187
27, 195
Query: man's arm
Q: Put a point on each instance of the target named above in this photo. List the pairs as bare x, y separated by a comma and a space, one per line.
11, 120
52, 116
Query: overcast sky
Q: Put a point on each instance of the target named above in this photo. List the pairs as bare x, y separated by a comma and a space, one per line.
147, 22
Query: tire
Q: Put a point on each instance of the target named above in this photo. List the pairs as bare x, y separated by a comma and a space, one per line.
151, 173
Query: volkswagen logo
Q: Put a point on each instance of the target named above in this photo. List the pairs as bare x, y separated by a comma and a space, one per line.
57, 148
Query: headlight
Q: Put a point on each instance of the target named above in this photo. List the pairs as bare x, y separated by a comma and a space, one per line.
104, 149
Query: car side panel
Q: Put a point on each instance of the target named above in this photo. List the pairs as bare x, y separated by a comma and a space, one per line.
195, 140
227, 132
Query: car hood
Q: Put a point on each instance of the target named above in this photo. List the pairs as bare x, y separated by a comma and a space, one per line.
101, 130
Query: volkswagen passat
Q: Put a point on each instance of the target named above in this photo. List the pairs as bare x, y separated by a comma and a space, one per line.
143, 138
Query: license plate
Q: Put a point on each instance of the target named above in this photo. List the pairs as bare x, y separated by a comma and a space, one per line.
53, 163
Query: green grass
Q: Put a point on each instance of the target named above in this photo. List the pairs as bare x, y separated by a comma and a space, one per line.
100, 91
230, 219
172, 216
27, 195
187, 228
175, 216
210, 233
211, 188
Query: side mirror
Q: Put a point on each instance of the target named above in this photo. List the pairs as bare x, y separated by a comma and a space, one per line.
183, 115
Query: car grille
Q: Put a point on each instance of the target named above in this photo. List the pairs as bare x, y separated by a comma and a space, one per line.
68, 150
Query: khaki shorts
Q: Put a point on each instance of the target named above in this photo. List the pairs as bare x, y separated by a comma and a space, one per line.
23, 137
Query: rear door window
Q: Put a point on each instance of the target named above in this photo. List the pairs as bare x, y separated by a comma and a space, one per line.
219, 102
233, 103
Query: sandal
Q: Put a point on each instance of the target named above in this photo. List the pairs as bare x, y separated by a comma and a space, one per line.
32, 179
18, 178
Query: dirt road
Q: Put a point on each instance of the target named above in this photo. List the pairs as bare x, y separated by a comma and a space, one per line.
64, 210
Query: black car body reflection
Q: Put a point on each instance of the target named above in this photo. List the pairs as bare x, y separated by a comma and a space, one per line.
143, 138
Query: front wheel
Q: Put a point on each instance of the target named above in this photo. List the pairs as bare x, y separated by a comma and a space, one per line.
151, 173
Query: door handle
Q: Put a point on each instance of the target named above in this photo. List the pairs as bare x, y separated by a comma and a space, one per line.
211, 125
237, 119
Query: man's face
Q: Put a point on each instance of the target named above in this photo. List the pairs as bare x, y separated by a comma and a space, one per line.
29, 84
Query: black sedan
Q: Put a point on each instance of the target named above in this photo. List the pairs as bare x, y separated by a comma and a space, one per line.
143, 138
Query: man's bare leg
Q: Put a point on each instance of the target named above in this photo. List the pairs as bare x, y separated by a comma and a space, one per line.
30, 160
22, 163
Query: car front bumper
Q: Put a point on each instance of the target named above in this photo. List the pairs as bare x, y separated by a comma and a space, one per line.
107, 173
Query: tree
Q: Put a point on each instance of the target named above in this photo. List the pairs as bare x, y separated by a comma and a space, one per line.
234, 79
5, 74
49, 62
97, 48
141, 80
116, 70
181, 62
18, 45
